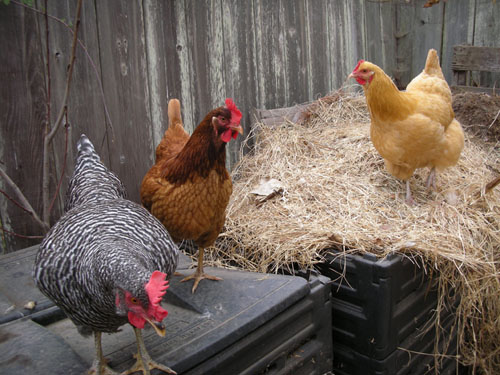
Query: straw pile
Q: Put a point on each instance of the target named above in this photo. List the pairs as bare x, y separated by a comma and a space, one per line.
334, 192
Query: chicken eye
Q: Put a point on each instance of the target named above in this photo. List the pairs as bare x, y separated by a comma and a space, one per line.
134, 301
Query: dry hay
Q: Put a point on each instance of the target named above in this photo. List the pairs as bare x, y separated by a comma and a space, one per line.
337, 194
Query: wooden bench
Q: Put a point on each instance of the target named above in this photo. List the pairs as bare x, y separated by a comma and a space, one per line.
472, 58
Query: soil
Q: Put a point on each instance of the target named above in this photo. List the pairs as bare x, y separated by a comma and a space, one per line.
479, 114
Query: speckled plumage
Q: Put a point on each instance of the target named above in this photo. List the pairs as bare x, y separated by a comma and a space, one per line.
102, 244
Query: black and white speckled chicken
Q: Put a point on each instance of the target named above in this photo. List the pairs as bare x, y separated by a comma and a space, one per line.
107, 261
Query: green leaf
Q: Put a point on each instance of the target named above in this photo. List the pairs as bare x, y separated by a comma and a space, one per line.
6, 2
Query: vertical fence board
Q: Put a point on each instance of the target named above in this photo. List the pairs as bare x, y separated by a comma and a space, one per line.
346, 37
22, 99
381, 46
458, 29
487, 34
86, 112
318, 56
201, 38
240, 63
125, 80
418, 30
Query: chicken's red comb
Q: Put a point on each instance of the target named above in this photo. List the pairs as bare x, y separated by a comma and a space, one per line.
235, 112
357, 66
156, 288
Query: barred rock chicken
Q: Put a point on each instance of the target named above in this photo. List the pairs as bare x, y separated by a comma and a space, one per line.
188, 188
415, 128
107, 261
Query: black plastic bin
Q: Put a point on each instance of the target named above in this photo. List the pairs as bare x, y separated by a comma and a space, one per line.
248, 323
380, 308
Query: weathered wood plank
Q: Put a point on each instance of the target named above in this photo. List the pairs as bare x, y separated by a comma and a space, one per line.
163, 48
22, 99
418, 29
347, 39
485, 59
381, 44
271, 54
456, 33
86, 112
204, 41
240, 64
317, 55
184, 54
488, 90
486, 33
124, 70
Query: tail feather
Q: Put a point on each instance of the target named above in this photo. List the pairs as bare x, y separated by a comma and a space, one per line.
453, 146
174, 113
175, 136
92, 181
86, 148
432, 66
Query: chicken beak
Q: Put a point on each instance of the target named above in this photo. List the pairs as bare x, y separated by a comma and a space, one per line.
352, 75
159, 327
238, 128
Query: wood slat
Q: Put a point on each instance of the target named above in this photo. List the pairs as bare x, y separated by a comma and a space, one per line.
125, 80
485, 59
23, 99
487, 90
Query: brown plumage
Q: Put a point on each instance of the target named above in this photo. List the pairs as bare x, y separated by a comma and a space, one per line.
188, 188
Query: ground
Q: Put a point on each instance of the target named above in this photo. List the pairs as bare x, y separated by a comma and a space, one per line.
476, 112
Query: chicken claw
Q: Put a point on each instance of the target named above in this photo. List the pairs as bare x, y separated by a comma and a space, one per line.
100, 366
144, 362
199, 274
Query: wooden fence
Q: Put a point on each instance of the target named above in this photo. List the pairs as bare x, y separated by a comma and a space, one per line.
136, 55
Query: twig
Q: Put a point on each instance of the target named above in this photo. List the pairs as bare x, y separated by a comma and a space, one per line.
490, 185
63, 167
24, 202
20, 235
14, 201
48, 137
498, 113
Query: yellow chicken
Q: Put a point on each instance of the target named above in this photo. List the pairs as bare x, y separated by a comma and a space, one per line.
415, 128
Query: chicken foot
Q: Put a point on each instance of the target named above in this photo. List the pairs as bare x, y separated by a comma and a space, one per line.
144, 362
431, 179
199, 274
100, 367
409, 197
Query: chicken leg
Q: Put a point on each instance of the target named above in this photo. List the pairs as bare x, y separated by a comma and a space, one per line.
144, 362
99, 367
431, 179
409, 197
199, 274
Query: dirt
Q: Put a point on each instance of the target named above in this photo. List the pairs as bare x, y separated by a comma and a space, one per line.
479, 114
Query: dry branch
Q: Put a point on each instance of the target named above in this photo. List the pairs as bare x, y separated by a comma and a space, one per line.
25, 205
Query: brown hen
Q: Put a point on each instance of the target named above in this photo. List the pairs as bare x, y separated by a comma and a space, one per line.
189, 187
